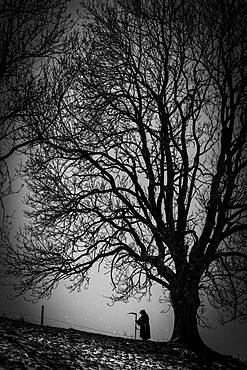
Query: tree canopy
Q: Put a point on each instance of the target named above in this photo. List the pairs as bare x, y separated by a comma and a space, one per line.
32, 34
141, 159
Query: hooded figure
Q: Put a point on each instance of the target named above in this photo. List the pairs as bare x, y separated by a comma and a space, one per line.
143, 322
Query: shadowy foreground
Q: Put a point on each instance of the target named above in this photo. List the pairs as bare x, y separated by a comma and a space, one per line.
30, 346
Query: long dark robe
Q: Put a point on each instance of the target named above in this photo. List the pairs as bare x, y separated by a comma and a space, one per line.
143, 322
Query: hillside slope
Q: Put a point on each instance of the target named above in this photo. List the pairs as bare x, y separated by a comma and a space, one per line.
29, 346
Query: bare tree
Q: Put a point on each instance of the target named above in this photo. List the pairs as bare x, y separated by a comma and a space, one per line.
31, 33
142, 159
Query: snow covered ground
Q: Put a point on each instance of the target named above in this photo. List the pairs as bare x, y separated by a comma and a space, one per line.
29, 346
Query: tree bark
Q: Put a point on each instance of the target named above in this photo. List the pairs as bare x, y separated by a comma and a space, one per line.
185, 301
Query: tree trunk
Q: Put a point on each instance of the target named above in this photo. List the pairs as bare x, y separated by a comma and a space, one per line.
185, 301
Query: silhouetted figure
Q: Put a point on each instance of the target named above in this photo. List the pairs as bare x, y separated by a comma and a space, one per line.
143, 322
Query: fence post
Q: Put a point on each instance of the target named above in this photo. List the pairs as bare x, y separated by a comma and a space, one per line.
42, 315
